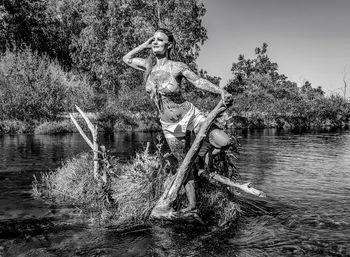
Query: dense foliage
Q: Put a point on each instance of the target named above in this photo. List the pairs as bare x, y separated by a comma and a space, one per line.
87, 38
262, 93
34, 88
92, 36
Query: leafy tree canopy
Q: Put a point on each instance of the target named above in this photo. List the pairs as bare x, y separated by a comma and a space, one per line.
91, 36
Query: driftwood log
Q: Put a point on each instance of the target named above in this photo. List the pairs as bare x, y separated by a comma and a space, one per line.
246, 187
163, 209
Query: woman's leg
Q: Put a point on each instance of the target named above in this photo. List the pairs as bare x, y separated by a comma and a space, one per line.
178, 148
216, 141
217, 138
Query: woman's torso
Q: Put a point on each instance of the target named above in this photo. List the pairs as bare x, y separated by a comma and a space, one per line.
164, 86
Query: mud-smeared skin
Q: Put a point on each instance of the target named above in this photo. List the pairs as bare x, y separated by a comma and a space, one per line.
177, 147
164, 87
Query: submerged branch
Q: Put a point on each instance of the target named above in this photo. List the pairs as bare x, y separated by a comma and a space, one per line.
244, 187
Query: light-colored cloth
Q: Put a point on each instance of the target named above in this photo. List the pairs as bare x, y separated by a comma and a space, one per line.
191, 121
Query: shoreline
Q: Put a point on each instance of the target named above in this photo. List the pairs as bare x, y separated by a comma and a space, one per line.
129, 124
139, 123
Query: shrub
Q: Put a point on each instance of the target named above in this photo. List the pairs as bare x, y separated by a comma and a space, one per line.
33, 87
13, 126
55, 127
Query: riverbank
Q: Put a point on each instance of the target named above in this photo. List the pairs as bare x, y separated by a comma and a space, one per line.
139, 122
144, 122
266, 121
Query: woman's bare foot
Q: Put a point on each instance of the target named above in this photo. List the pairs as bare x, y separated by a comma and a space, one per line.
162, 211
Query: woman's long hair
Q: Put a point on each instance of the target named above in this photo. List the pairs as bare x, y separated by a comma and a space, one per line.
151, 60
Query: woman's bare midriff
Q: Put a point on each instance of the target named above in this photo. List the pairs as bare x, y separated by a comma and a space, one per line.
173, 112
164, 87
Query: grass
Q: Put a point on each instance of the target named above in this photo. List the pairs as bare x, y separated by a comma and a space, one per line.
132, 193
55, 127
134, 187
139, 186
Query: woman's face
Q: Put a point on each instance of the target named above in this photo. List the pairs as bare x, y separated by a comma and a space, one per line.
160, 44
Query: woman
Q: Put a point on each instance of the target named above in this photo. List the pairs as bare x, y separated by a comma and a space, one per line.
163, 82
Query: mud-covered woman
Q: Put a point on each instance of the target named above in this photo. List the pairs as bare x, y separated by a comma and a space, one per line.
163, 78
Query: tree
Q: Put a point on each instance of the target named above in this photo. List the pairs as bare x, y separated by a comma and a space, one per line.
22, 23
246, 69
45, 26
92, 36
311, 93
114, 27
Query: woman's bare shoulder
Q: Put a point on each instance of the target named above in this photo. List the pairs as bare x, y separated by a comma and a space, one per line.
178, 67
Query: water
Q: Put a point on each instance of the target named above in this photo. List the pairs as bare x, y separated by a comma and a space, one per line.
306, 177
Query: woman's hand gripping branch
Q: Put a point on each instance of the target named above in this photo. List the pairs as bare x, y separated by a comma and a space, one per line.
226, 98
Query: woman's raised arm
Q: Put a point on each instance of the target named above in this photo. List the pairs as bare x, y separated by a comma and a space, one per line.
204, 84
135, 62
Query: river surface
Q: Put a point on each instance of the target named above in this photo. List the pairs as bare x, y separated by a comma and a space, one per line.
306, 177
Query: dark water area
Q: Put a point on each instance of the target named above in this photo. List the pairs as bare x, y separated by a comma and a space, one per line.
306, 177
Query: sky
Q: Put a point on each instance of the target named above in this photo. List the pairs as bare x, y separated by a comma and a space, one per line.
308, 39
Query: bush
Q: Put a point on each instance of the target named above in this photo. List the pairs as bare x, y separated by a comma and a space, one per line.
55, 127
13, 126
32, 87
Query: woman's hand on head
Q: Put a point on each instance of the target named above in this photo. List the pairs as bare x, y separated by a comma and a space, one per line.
226, 97
148, 43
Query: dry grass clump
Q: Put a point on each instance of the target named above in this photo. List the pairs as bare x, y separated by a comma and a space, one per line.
73, 183
132, 192
216, 205
139, 186
129, 197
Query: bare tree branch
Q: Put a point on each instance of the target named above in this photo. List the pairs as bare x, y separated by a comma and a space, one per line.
82, 133
244, 187
94, 144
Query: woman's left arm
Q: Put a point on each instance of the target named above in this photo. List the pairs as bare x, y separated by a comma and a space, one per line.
205, 84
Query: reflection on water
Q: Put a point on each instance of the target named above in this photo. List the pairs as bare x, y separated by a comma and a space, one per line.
306, 177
